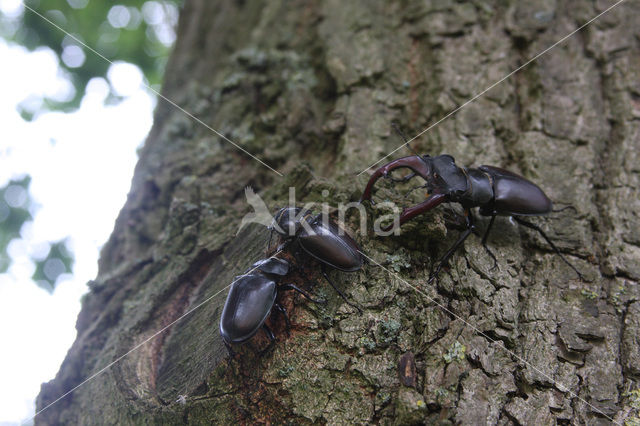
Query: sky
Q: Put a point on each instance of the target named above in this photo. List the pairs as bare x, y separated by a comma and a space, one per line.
81, 166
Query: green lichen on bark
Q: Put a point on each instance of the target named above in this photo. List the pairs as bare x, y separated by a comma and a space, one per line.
311, 88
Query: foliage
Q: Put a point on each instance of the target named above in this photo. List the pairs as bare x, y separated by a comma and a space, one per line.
57, 262
14, 212
135, 31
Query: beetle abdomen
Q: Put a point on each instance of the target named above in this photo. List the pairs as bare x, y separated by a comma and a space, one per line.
328, 246
517, 195
248, 304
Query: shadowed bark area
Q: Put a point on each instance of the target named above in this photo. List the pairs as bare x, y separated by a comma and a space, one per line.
311, 88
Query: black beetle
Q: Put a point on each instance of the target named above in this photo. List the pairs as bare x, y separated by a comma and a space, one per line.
325, 241
250, 300
496, 191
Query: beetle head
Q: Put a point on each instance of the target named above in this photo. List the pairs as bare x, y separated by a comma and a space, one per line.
287, 221
272, 265
444, 176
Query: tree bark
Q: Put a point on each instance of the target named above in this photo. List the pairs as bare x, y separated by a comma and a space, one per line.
311, 88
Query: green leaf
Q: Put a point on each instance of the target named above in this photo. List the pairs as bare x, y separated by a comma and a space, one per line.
57, 262
98, 25
14, 212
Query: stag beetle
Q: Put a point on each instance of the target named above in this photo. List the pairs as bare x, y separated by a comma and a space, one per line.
250, 300
496, 191
323, 240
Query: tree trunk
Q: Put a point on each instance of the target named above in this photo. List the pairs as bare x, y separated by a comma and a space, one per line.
311, 88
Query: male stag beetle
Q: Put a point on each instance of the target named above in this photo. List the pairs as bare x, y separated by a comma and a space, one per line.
250, 300
496, 191
323, 240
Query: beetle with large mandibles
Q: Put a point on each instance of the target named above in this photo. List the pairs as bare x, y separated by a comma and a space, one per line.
496, 191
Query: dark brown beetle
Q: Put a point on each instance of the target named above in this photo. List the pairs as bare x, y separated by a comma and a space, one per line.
325, 241
250, 300
496, 191
253, 295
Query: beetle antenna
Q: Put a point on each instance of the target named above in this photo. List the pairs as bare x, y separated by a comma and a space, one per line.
395, 126
566, 208
270, 235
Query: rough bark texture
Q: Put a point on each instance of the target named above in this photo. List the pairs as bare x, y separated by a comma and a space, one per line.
311, 88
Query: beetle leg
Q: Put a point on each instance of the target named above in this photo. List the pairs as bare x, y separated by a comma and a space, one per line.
454, 220
283, 311
326, 277
484, 243
402, 179
270, 235
272, 339
565, 208
413, 162
301, 291
413, 189
306, 277
463, 236
553, 246
230, 350
297, 252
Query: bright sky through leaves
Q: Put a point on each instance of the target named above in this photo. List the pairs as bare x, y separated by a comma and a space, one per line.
81, 166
